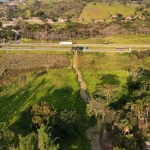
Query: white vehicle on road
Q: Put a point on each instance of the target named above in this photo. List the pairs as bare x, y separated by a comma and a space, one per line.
66, 43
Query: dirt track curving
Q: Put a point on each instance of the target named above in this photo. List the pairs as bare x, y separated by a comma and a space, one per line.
83, 92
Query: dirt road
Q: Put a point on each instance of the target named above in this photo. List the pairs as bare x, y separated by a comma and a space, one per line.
92, 133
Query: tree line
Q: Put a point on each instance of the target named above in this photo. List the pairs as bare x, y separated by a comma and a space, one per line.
74, 30
48, 126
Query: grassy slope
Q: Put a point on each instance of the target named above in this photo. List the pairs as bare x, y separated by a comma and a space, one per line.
55, 87
103, 11
58, 87
111, 63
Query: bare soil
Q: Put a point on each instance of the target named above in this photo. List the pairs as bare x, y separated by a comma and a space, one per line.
83, 92
93, 135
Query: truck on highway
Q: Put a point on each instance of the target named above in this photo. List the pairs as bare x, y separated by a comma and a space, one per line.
66, 43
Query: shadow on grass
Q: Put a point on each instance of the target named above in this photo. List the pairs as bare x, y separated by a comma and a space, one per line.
16, 111
120, 103
125, 98
65, 98
110, 79
15, 108
11, 105
61, 99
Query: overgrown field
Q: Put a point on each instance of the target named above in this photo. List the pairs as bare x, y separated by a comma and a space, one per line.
97, 65
31, 78
120, 89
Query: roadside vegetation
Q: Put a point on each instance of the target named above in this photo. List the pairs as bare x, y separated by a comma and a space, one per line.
119, 96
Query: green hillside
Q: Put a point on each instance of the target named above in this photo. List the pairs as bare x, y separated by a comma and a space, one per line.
95, 11
58, 87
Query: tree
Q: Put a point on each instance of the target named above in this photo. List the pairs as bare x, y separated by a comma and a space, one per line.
63, 123
97, 106
25, 143
44, 140
135, 74
124, 126
108, 92
138, 108
130, 142
41, 141
41, 15
127, 142
40, 113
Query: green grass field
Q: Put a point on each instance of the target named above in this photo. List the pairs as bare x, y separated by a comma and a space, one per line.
96, 11
58, 87
117, 39
126, 39
94, 66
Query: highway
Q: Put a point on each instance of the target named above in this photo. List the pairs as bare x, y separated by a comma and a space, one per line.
88, 45
57, 47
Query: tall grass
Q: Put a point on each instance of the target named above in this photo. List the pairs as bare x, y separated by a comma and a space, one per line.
94, 66
58, 87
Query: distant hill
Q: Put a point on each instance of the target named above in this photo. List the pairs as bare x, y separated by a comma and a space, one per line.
96, 10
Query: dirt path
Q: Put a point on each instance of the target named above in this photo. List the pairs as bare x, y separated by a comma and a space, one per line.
83, 92
105, 140
93, 132
93, 136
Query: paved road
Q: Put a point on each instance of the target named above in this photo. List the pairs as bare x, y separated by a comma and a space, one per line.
91, 45
57, 47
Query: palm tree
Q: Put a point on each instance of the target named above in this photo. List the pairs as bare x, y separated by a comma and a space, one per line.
124, 126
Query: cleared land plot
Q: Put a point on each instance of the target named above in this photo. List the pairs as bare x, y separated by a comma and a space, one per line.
95, 11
